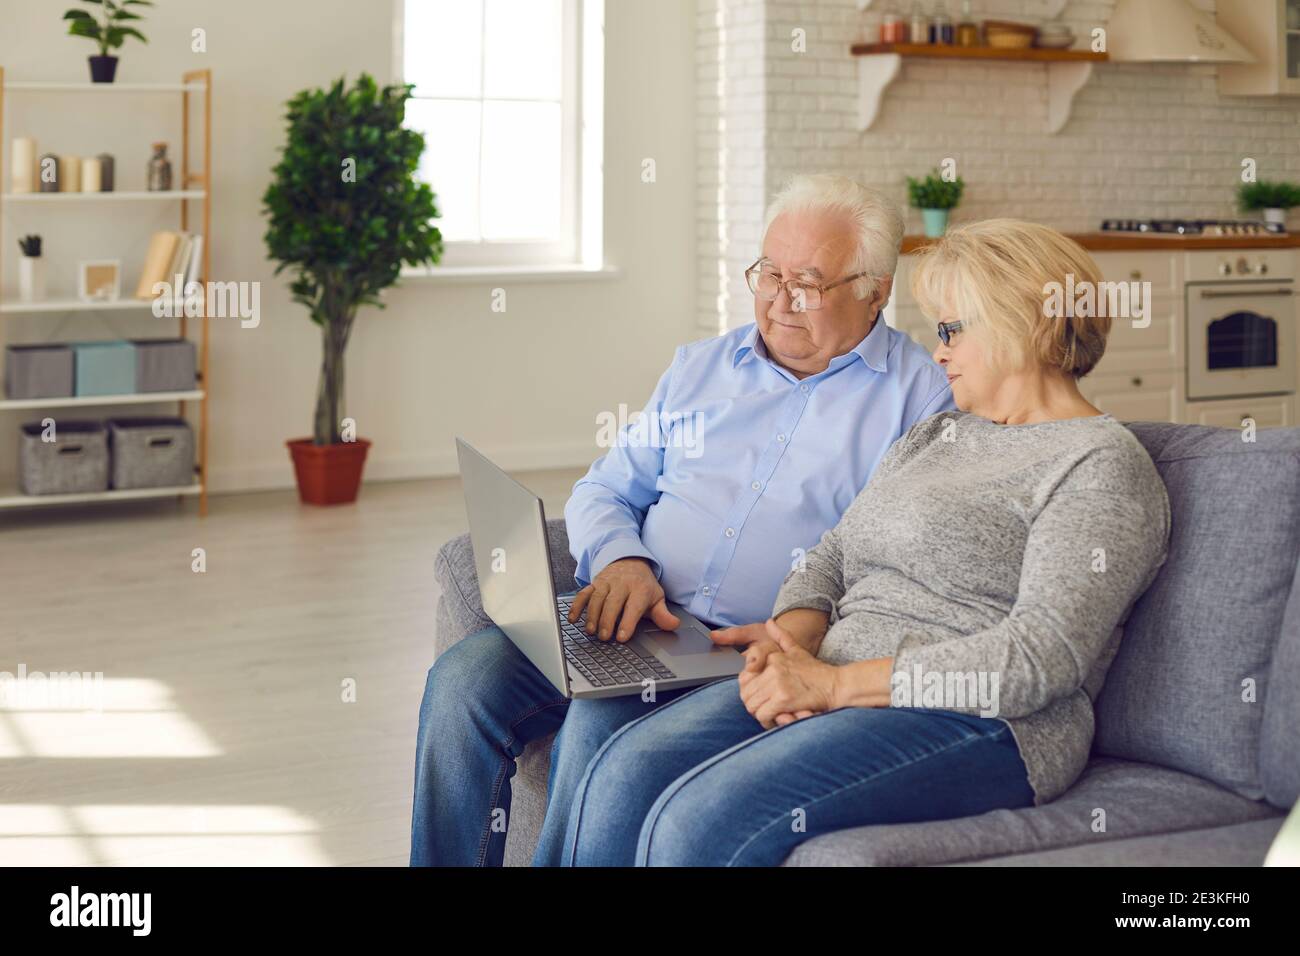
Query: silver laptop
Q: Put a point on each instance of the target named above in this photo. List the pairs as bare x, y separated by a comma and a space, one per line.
507, 527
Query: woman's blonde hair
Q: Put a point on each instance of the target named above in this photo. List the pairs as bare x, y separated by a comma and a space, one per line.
1000, 276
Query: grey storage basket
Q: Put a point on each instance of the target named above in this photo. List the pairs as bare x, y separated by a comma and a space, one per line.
164, 365
76, 462
38, 371
151, 452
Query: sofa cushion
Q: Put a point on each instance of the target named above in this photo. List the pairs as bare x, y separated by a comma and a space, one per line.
1279, 751
1138, 800
1204, 633
1244, 844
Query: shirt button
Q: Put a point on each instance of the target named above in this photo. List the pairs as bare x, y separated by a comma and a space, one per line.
804, 389
731, 532
780, 438
706, 590
756, 485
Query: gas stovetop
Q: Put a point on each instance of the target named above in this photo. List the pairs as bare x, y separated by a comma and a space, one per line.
1195, 227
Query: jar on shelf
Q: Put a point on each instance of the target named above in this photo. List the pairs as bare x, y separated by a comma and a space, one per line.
942, 31
892, 27
160, 169
920, 31
968, 31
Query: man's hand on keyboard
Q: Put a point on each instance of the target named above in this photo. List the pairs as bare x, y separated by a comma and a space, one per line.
621, 594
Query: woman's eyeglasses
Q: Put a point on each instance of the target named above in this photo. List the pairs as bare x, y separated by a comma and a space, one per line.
946, 329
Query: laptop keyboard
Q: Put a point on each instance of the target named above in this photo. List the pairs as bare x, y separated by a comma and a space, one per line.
606, 663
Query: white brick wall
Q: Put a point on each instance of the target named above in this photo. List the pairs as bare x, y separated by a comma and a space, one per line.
1143, 140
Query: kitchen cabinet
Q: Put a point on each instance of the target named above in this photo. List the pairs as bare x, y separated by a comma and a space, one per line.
1270, 411
1270, 29
1133, 397
1142, 347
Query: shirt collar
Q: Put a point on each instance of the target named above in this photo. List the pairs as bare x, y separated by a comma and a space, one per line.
873, 349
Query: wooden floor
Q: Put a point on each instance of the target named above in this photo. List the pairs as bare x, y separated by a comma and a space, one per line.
219, 734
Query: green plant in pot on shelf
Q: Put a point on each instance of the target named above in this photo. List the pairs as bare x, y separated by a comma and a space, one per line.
935, 197
1274, 198
108, 24
345, 213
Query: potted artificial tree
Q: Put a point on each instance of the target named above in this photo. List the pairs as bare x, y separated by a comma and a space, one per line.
1274, 198
109, 29
935, 197
345, 212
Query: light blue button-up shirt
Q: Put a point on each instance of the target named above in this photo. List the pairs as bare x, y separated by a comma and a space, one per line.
737, 467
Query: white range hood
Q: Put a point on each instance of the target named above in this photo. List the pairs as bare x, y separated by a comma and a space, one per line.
1163, 31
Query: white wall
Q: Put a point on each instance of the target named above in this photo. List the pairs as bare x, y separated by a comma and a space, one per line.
525, 385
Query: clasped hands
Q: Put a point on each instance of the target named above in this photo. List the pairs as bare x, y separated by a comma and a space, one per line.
783, 681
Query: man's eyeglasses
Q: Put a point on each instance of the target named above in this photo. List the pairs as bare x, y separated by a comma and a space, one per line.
946, 329
804, 296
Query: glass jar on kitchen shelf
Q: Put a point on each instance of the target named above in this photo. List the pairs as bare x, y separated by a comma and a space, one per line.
968, 32
892, 27
920, 32
942, 31
160, 169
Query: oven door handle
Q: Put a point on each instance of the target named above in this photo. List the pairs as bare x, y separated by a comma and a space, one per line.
1213, 294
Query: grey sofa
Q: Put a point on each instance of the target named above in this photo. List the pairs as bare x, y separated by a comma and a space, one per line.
1196, 754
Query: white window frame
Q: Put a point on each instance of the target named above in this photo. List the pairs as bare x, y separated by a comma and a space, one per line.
581, 152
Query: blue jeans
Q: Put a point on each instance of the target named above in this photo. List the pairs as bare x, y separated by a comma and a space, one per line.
700, 783
483, 702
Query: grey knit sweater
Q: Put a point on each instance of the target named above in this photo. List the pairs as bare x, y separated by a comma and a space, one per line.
996, 564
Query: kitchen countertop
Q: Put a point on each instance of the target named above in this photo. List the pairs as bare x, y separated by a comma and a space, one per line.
1119, 241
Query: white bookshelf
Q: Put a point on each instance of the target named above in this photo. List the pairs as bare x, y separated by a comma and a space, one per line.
59, 199
41, 86
15, 307
16, 499
92, 401
194, 194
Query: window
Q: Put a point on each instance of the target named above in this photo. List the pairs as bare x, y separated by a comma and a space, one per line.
508, 96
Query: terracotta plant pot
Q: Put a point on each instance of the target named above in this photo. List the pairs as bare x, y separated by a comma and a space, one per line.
328, 474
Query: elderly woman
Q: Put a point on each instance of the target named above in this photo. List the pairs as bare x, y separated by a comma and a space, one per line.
937, 654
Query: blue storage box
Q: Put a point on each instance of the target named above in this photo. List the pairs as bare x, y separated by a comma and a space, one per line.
104, 368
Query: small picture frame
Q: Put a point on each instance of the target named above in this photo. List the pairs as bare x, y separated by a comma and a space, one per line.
99, 280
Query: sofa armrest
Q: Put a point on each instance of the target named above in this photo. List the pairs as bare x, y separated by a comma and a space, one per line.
460, 606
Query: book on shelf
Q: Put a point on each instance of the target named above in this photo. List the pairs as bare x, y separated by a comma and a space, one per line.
170, 254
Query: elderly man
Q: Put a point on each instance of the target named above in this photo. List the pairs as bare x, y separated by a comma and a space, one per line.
790, 416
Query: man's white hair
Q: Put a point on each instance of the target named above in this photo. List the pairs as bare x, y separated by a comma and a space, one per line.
877, 221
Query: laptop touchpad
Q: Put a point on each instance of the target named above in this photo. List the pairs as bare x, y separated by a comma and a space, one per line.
685, 640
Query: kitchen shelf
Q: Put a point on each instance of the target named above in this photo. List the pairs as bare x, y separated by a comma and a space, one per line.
194, 182
157, 195
18, 500
1119, 241
87, 401
879, 64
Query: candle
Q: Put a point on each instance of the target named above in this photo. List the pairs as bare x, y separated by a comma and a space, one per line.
24, 165
90, 169
69, 174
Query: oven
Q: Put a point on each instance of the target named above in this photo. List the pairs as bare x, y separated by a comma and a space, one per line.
1241, 328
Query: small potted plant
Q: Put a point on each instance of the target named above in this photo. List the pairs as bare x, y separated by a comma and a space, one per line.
935, 197
31, 270
346, 211
109, 29
1274, 198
